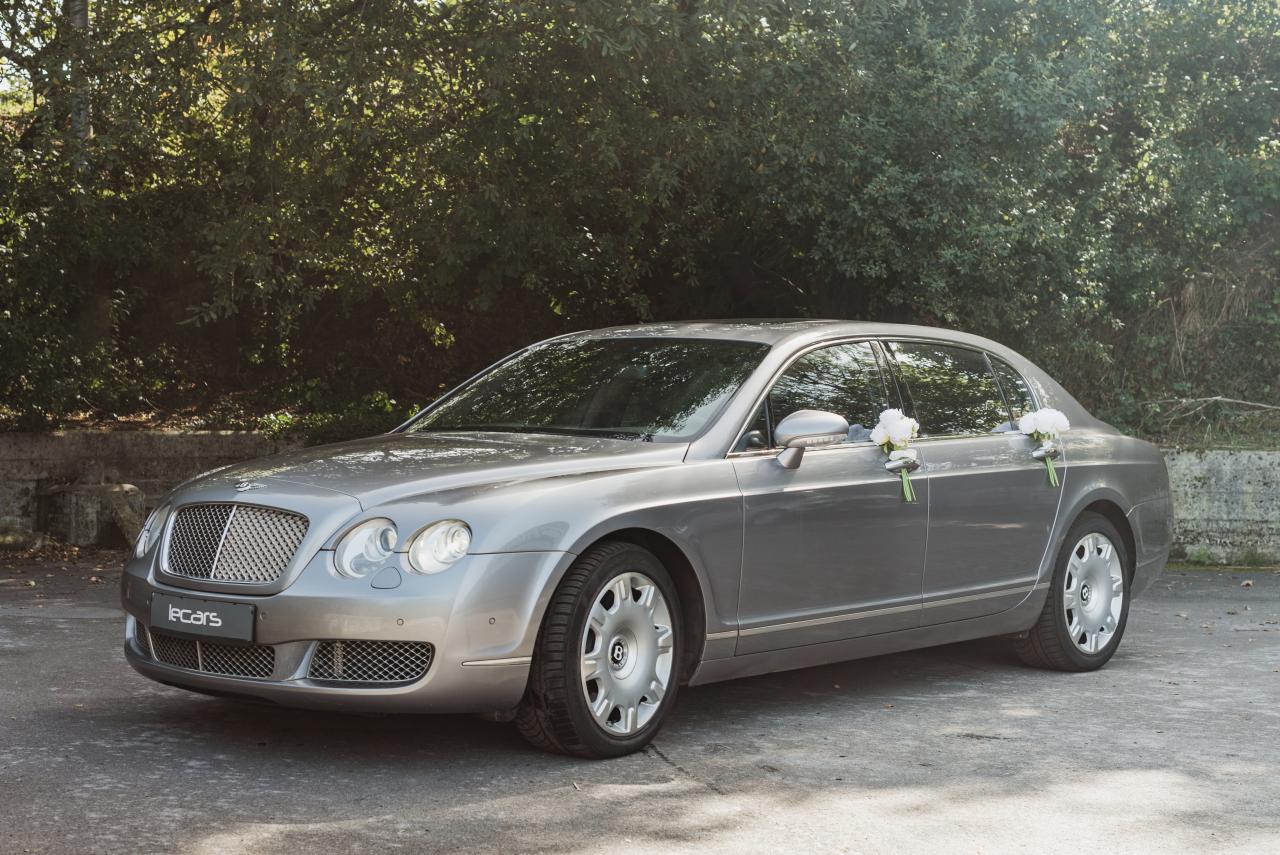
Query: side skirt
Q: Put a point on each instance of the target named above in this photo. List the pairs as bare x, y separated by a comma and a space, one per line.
1016, 619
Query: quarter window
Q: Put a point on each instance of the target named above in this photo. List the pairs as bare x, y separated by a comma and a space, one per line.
842, 378
1015, 389
952, 389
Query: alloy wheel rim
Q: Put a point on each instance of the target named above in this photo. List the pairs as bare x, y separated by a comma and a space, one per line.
627, 653
1093, 593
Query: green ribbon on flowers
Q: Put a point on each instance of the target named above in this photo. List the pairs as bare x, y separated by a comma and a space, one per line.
1053, 473
908, 492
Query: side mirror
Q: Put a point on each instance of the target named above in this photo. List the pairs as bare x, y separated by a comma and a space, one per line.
808, 429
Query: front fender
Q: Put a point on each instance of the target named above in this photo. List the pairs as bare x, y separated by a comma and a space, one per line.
695, 505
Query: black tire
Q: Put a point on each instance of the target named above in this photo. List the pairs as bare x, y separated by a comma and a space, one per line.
554, 714
1048, 643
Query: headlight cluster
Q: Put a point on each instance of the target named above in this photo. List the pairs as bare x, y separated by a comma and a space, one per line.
152, 530
372, 544
365, 548
439, 545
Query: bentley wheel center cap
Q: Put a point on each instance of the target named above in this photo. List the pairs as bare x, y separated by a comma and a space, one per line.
617, 653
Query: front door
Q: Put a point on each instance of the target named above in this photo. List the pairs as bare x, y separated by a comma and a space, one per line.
991, 509
830, 549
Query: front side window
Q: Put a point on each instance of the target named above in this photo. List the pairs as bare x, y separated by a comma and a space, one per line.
655, 389
843, 379
951, 389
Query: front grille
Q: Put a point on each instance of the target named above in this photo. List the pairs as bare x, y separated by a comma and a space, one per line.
175, 651
370, 661
256, 660
233, 543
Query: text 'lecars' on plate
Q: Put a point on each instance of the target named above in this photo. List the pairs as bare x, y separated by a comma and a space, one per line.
600, 518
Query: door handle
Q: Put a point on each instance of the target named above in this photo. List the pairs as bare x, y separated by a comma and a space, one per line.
900, 464
1052, 452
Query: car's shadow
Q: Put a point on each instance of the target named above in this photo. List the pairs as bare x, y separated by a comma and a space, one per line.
231, 725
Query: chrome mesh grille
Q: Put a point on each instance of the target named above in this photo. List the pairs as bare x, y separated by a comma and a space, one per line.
178, 652
233, 543
370, 661
193, 544
257, 661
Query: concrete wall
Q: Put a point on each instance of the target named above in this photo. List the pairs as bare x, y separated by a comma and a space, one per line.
47, 477
1226, 503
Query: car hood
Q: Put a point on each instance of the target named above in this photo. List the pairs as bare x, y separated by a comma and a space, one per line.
396, 466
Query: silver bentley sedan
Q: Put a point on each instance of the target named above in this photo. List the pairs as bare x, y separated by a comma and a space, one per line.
577, 531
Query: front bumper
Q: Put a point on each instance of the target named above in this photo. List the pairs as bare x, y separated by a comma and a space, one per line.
481, 616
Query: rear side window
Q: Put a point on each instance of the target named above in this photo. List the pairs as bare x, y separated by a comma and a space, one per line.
842, 378
952, 389
1015, 389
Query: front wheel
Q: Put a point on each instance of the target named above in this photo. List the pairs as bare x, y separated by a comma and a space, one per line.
607, 662
1088, 604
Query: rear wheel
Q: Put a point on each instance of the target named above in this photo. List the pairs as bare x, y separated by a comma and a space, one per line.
606, 666
1085, 614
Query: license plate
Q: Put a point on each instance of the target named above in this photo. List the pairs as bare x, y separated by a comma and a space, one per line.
206, 618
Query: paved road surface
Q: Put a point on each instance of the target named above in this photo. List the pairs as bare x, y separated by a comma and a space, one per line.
1175, 747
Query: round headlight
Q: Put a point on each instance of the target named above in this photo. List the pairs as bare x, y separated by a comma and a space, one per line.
365, 548
439, 545
152, 529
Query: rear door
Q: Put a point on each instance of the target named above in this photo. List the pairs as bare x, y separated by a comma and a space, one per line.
990, 507
830, 550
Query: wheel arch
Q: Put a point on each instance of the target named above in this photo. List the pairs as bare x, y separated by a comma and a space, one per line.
1109, 505
688, 582
1113, 514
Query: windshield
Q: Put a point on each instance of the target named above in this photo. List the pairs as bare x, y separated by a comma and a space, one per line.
654, 389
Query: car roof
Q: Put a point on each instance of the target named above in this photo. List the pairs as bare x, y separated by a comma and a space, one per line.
766, 330
776, 331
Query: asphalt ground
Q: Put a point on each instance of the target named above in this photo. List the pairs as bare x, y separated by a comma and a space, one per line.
1174, 747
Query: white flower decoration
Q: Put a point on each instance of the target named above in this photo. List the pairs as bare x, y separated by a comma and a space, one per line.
893, 433
894, 430
1044, 424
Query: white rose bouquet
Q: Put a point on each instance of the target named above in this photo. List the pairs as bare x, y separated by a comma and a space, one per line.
1045, 425
893, 433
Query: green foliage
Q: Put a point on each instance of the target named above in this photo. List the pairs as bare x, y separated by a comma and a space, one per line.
372, 414
300, 206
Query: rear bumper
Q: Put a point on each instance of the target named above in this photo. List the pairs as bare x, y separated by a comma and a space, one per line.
481, 617
1152, 526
